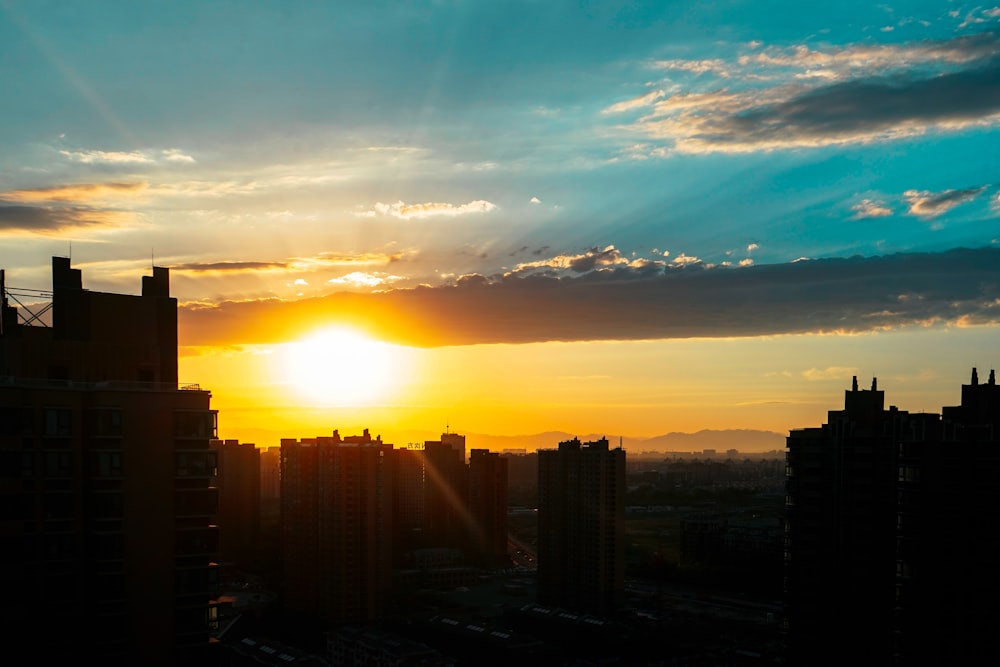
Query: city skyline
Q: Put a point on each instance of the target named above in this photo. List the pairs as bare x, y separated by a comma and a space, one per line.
628, 219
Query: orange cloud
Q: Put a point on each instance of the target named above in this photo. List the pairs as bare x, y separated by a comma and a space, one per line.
75, 193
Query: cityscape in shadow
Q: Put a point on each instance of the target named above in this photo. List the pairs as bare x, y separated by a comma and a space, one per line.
132, 534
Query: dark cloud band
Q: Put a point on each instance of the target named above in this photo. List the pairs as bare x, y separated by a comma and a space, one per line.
832, 295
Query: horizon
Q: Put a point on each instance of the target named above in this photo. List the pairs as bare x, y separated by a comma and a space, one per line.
630, 219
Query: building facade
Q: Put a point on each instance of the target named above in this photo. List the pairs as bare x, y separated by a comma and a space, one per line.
581, 522
107, 532
488, 507
337, 526
239, 517
888, 546
948, 511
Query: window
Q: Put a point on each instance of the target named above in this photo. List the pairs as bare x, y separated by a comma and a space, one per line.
58, 464
104, 423
106, 505
195, 424
196, 502
58, 422
196, 464
106, 464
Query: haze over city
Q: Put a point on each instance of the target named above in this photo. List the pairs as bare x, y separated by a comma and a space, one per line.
508, 218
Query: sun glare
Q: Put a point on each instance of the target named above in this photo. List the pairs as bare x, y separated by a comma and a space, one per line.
342, 367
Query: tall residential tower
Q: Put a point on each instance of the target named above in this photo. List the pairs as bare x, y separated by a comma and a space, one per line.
581, 523
106, 537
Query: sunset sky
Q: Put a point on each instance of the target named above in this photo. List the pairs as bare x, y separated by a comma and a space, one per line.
623, 218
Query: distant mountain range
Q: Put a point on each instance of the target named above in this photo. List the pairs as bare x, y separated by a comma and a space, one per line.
743, 440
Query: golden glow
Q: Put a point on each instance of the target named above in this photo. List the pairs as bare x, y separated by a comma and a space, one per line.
635, 389
341, 367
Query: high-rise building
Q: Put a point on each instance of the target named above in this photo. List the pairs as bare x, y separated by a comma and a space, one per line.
887, 547
238, 482
408, 501
106, 502
840, 529
446, 513
336, 534
581, 522
948, 516
270, 486
443, 502
488, 507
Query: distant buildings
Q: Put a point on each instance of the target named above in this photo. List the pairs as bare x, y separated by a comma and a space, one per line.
445, 494
887, 525
488, 507
239, 516
106, 537
336, 530
357, 515
581, 522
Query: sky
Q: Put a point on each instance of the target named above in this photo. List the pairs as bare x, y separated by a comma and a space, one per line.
627, 218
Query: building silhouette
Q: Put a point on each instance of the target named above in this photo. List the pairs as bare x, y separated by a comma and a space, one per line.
488, 507
270, 487
238, 481
106, 530
581, 521
446, 488
887, 518
336, 526
948, 514
408, 501
442, 502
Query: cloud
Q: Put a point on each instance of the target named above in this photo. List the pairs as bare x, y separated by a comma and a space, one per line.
175, 155
405, 211
535, 200
107, 157
850, 295
713, 65
868, 59
685, 260
830, 373
752, 246
75, 193
869, 208
361, 279
978, 15
320, 262
52, 219
229, 267
634, 103
146, 157
932, 204
801, 98
594, 258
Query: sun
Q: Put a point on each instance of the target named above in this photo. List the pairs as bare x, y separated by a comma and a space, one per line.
342, 367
